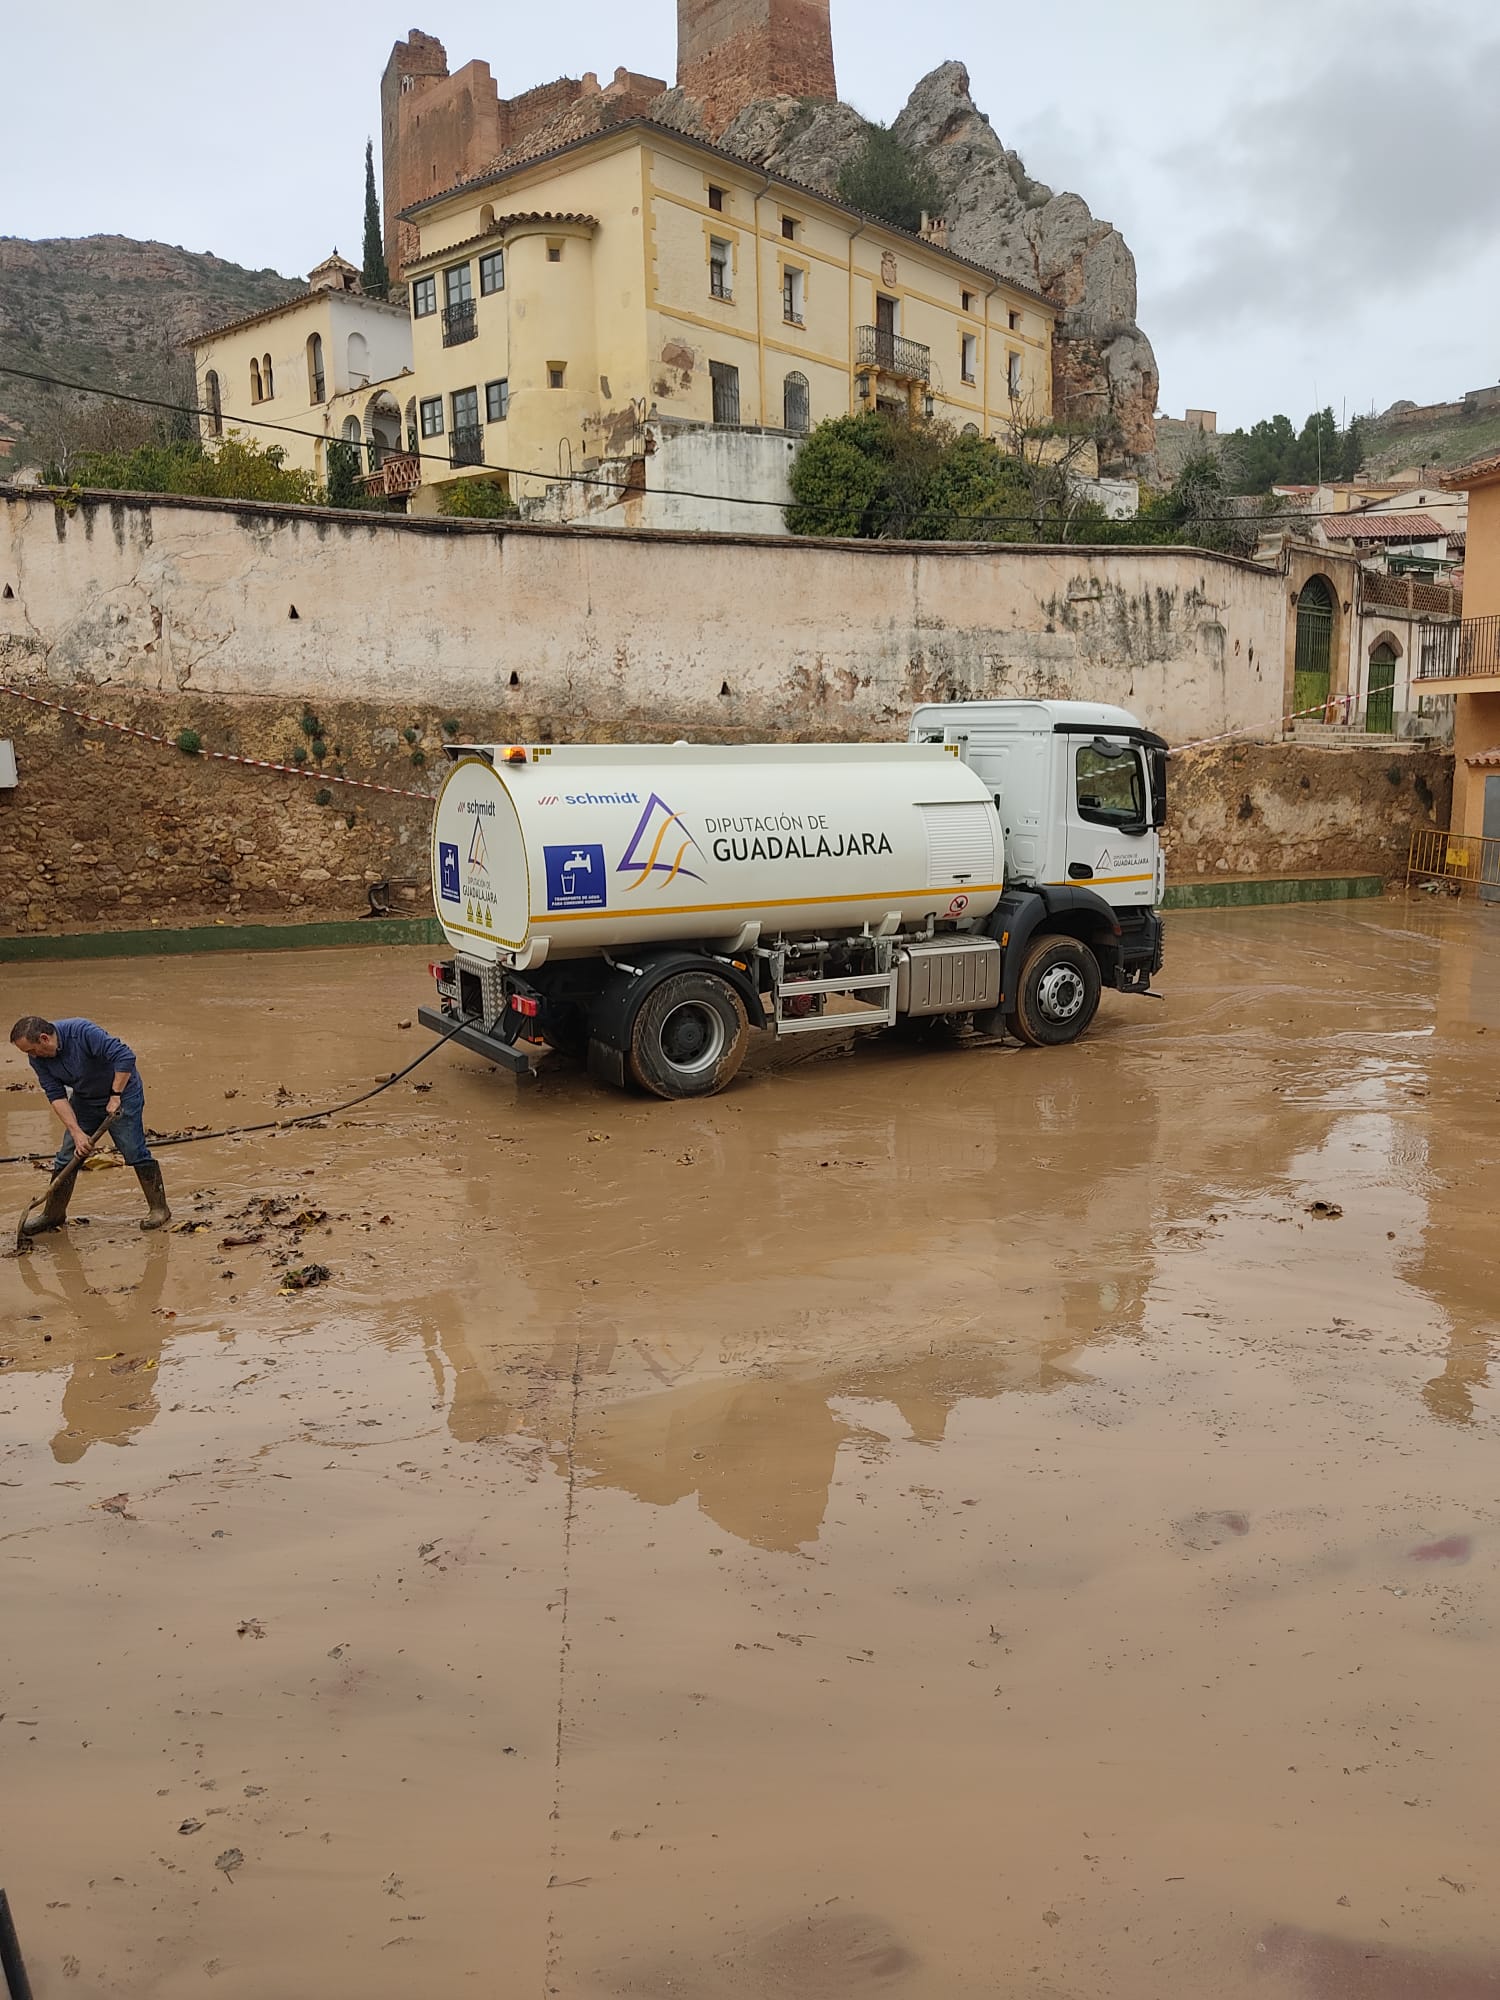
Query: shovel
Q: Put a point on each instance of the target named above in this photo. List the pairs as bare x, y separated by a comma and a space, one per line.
55, 1186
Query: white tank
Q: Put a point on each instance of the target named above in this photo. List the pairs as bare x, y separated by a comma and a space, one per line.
559, 850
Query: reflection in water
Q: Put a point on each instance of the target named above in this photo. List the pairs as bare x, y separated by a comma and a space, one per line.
113, 1345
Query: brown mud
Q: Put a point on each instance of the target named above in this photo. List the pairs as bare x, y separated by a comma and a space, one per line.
927, 1523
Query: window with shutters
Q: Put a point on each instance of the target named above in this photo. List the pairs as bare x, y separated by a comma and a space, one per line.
725, 379
795, 413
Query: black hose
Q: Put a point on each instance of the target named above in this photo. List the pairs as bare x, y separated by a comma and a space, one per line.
17, 1985
275, 1124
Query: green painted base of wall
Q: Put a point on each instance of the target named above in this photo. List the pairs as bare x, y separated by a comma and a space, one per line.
1233, 892
226, 937
1229, 892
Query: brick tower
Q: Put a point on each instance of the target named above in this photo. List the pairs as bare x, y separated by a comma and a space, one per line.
730, 52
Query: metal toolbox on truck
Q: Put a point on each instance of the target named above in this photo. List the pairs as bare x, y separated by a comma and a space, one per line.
948, 976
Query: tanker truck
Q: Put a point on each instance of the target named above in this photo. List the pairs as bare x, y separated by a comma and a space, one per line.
644, 906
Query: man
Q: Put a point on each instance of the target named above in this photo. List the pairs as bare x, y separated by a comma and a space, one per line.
86, 1074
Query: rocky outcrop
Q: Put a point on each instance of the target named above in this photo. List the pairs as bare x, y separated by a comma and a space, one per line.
1103, 366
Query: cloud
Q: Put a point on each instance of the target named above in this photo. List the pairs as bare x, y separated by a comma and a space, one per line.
1372, 177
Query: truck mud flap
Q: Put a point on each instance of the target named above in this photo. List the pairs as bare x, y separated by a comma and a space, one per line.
505, 1054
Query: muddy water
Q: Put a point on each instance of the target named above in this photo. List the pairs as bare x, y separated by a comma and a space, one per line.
925, 1524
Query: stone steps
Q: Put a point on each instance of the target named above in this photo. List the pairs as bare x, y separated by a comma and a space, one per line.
1336, 736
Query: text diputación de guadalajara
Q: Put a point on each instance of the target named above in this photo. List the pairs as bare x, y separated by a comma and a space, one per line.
787, 836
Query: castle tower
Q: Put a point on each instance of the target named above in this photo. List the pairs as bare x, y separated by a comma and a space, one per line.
731, 52
414, 64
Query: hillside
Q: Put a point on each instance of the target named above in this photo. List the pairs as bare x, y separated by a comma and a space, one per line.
111, 311
1441, 438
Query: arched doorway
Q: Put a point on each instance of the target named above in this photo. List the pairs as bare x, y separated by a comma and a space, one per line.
1314, 661
1380, 688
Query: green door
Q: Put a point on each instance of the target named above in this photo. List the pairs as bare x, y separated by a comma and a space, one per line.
1314, 646
1380, 692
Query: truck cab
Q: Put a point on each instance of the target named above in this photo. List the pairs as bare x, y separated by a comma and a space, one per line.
1080, 787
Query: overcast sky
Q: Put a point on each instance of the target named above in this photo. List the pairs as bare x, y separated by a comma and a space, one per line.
1311, 187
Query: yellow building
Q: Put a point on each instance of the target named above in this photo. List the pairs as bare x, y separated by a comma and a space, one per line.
329, 363
1470, 672
638, 274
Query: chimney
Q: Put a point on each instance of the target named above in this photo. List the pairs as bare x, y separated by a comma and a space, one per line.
934, 230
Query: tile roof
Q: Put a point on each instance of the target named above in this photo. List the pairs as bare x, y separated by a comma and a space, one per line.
1488, 758
496, 233
1381, 527
274, 312
1476, 470
489, 176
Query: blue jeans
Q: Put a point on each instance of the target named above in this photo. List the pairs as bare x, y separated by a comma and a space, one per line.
128, 1131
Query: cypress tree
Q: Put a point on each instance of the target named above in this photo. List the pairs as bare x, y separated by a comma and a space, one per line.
375, 277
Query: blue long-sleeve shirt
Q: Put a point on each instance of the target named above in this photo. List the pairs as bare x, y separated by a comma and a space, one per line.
87, 1062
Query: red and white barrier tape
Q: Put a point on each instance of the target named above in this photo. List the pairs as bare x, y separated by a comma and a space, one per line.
1343, 702
217, 756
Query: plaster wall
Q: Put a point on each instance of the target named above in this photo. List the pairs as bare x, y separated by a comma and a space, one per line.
616, 636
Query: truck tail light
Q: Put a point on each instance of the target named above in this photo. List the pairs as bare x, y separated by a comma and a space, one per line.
522, 1003
443, 974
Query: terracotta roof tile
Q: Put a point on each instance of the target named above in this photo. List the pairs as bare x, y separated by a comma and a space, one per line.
1477, 469
1381, 527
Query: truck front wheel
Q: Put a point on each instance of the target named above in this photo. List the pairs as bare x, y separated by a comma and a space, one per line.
1058, 992
688, 1037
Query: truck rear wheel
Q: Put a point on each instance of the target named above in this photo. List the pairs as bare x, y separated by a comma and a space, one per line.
688, 1037
1057, 994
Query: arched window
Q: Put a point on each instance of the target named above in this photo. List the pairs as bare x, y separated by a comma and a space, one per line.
266, 385
254, 380
316, 386
412, 443
213, 402
352, 432
359, 361
486, 218
795, 408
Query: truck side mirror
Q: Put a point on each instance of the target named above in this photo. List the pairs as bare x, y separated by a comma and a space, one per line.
1158, 789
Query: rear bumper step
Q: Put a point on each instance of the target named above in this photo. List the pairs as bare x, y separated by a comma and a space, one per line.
473, 1037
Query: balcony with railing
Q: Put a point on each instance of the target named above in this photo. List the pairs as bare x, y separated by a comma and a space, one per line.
460, 323
1466, 653
890, 354
466, 445
391, 474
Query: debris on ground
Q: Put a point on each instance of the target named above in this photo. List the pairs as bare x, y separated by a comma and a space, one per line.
1328, 1210
250, 1628
229, 1860
191, 1826
117, 1503
302, 1277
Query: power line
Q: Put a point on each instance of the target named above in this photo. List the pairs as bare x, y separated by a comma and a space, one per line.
922, 516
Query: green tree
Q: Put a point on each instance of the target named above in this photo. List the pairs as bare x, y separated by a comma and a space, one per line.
887, 180
238, 468
345, 463
375, 277
476, 500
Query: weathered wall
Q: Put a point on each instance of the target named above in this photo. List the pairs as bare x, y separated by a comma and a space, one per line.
1286, 809
614, 635
106, 831
731, 53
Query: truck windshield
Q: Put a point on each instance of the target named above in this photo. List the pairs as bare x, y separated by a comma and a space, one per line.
1111, 787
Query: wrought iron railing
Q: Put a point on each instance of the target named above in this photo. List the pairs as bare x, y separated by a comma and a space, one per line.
466, 445
460, 323
1453, 652
1457, 858
719, 286
875, 348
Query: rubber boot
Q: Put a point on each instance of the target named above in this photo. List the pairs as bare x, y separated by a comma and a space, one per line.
149, 1177
53, 1212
